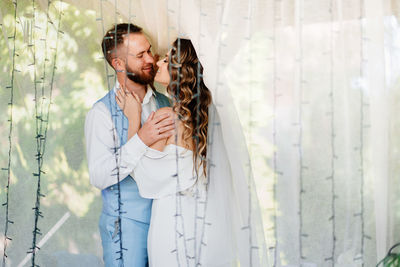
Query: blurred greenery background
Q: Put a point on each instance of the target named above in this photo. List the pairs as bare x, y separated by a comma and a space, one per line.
78, 83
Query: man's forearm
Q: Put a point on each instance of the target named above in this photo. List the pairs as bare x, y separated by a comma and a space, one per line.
107, 161
107, 168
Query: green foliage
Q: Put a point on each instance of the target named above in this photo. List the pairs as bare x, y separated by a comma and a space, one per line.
392, 259
78, 82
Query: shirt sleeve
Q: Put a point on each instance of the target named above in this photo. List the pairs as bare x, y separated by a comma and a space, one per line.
159, 174
105, 162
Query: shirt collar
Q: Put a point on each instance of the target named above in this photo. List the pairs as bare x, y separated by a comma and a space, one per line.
147, 96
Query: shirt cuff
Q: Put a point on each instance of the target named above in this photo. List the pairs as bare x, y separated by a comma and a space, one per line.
133, 150
137, 144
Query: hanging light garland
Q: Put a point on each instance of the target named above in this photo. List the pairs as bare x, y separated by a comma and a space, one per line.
10, 145
42, 113
333, 157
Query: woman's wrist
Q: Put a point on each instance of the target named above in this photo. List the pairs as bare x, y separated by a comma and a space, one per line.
134, 116
133, 127
134, 121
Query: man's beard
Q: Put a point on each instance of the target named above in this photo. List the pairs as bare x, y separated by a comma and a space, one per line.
140, 78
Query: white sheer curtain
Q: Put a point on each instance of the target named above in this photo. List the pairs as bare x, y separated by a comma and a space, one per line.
314, 87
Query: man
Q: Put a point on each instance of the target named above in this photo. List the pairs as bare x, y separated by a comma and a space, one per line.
125, 216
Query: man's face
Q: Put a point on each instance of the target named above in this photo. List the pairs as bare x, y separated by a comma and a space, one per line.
139, 61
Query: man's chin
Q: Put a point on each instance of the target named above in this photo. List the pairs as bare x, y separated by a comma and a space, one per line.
143, 79
148, 79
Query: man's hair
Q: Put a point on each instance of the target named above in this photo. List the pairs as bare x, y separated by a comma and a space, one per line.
115, 36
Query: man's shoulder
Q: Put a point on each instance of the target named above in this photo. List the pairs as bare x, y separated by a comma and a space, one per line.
99, 112
98, 107
106, 97
163, 99
102, 102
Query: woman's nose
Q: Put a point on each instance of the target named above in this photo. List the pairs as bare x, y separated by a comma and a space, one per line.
159, 63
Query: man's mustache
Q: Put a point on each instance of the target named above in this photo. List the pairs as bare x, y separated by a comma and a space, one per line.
148, 66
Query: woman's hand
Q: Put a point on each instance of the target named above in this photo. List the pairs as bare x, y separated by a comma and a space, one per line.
130, 104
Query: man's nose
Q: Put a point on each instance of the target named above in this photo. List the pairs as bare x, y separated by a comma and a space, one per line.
149, 58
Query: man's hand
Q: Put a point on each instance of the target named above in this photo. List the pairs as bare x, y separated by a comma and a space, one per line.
157, 128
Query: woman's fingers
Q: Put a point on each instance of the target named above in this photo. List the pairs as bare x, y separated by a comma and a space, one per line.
165, 122
161, 117
118, 95
122, 93
136, 97
123, 90
166, 134
166, 129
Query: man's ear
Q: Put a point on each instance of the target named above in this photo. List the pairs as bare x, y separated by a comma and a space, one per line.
117, 64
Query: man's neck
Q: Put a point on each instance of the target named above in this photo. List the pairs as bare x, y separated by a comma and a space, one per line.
131, 86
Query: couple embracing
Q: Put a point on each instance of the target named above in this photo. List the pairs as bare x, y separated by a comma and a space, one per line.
161, 165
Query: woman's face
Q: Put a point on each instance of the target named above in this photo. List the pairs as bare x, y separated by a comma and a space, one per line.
162, 75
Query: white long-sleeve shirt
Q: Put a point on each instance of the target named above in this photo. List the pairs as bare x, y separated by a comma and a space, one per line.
101, 140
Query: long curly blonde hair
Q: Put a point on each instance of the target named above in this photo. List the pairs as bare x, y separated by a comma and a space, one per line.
191, 97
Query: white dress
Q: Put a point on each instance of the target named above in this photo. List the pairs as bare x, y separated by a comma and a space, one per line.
191, 225
177, 226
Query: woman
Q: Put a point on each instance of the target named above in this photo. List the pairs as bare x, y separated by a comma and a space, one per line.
193, 215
